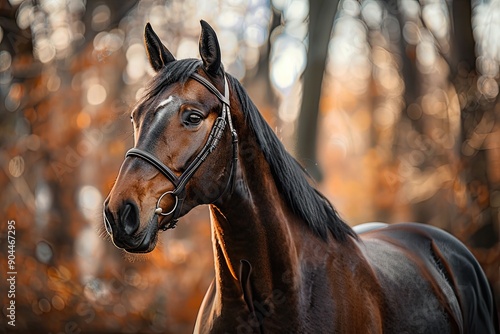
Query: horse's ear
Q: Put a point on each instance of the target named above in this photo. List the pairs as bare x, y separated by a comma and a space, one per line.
209, 49
158, 54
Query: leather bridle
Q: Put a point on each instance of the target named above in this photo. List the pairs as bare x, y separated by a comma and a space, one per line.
179, 193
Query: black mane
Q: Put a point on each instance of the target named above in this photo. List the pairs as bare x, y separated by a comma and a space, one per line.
291, 179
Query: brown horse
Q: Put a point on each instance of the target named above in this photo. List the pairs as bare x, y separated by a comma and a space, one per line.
285, 262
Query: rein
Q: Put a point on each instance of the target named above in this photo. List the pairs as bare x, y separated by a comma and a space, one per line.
179, 193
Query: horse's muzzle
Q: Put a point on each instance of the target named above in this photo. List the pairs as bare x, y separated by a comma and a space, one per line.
123, 230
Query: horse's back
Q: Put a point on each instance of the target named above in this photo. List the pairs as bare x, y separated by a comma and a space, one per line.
423, 269
367, 227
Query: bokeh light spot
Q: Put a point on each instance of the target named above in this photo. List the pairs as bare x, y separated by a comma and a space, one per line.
45, 51
33, 142
43, 197
100, 17
16, 166
414, 111
58, 303
136, 66
53, 83
44, 305
288, 62
426, 55
13, 99
24, 15
61, 38
297, 10
372, 13
488, 87
188, 48
5, 60
83, 120
89, 201
411, 33
44, 252
96, 94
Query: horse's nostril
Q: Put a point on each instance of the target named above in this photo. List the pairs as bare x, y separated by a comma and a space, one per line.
130, 218
108, 218
107, 225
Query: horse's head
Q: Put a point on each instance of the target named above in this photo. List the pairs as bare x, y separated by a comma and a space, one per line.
183, 154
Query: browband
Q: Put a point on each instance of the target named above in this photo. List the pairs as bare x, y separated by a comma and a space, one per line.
212, 88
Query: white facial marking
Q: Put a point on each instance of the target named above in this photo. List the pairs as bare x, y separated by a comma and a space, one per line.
165, 102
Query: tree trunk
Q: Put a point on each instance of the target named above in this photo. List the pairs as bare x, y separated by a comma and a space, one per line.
478, 119
321, 17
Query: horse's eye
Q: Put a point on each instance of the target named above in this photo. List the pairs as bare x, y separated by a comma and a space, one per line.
194, 118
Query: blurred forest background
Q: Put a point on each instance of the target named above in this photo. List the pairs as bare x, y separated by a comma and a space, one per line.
392, 105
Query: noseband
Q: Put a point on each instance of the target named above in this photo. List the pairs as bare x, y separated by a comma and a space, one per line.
179, 193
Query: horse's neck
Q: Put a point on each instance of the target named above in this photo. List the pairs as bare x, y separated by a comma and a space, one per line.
259, 245
254, 226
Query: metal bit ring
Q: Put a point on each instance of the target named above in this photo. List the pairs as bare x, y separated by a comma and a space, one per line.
159, 210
